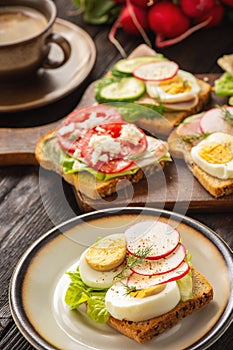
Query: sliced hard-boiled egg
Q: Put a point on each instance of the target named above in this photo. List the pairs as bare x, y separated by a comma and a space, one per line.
182, 87
101, 262
214, 155
123, 305
107, 253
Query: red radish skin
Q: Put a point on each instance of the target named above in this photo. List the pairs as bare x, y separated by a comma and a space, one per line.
141, 282
161, 237
128, 23
227, 2
215, 14
167, 19
142, 3
161, 266
133, 19
196, 8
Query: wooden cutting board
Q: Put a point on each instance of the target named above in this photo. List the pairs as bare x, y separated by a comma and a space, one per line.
174, 189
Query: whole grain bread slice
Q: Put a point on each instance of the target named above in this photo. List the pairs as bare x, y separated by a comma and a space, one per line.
144, 331
181, 149
85, 184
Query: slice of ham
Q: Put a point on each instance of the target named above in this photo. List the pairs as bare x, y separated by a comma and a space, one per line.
176, 106
213, 121
190, 127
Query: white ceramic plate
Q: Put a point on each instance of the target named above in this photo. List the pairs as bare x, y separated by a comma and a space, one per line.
50, 85
39, 282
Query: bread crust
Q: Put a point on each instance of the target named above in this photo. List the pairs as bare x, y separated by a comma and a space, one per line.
84, 183
146, 330
181, 149
163, 126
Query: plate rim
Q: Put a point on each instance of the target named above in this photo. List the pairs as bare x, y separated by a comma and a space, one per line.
44, 102
26, 328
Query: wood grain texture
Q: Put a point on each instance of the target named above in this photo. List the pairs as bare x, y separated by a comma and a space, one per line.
178, 189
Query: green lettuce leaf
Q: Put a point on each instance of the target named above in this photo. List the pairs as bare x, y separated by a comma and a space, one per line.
185, 284
224, 85
79, 293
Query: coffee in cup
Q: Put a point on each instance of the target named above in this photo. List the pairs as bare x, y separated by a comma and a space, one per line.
26, 36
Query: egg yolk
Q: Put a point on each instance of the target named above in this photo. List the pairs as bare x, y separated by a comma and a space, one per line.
148, 291
175, 85
216, 153
106, 258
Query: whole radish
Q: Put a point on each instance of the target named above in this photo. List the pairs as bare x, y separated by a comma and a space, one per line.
141, 3
196, 8
127, 19
227, 2
133, 19
167, 19
215, 14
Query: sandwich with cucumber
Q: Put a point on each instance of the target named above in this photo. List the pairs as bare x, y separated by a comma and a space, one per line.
205, 142
94, 149
156, 83
140, 282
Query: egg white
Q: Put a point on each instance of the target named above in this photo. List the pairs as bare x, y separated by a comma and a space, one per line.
154, 90
221, 171
99, 279
122, 306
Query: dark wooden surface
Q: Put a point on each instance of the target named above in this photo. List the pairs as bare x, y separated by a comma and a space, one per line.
30, 203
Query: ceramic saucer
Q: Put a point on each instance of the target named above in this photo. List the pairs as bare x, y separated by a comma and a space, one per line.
50, 85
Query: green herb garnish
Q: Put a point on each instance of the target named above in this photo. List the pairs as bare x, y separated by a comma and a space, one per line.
228, 116
197, 137
133, 261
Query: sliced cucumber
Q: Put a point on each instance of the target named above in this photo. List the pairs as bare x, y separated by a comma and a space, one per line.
127, 89
127, 66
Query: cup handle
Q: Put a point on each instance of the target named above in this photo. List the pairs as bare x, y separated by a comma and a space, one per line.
65, 47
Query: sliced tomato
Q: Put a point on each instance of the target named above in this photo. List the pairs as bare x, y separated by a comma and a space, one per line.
109, 148
80, 121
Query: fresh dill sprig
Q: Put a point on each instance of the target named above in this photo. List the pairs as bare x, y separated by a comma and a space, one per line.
196, 137
228, 116
133, 261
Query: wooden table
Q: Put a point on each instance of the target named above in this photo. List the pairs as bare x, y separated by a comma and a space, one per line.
29, 201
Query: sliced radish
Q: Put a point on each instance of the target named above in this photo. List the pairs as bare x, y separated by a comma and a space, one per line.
161, 238
141, 282
213, 121
156, 71
161, 266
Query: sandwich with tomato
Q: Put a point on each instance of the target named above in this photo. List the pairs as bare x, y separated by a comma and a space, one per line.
94, 149
205, 141
141, 282
156, 83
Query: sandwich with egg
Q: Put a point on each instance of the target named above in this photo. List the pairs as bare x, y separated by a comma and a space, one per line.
157, 83
223, 86
205, 141
94, 149
140, 282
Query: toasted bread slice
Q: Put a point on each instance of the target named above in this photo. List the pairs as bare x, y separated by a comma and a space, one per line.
146, 330
84, 183
163, 126
181, 149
